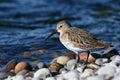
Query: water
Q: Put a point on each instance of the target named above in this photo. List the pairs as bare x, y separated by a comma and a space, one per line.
25, 24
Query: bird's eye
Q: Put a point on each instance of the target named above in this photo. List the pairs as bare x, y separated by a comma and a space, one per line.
61, 26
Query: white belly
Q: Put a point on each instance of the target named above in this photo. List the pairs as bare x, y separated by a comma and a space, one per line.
71, 46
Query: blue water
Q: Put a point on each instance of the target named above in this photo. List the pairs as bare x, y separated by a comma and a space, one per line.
24, 24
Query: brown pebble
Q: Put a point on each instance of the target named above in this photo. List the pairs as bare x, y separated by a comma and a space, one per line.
10, 65
63, 60
21, 66
54, 67
70, 55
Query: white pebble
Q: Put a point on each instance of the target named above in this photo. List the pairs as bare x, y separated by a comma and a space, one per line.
95, 78
72, 75
17, 77
107, 71
42, 73
50, 78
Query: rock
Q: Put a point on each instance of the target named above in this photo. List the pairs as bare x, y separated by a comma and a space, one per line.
84, 75
71, 64
3, 75
99, 62
116, 61
63, 70
93, 66
29, 74
17, 77
50, 78
54, 61
107, 71
96, 78
23, 72
10, 65
72, 75
105, 60
55, 67
42, 73
63, 60
70, 55
91, 59
21, 66
88, 70
40, 65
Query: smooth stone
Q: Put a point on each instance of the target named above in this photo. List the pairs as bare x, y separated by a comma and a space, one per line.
116, 76
91, 59
54, 61
29, 74
70, 55
88, 70
17, 77
105, 60
37, 79
99, 62
10, 65
40, 65
84, 75
93, 66
50, 78
23, 72
83, 56
72, 75
55, 67
107, 71
3, 75
21, 66
116, 61
42, 73
63, 60
63, 70
95, 78
71, 64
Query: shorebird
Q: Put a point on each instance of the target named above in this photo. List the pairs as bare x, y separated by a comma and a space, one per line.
77, 40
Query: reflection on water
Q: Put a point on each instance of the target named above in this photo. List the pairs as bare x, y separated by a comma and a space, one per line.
25, 24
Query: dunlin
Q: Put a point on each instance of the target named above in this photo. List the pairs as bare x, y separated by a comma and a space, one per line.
77, 40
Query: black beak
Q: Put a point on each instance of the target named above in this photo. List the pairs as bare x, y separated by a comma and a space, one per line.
55, 31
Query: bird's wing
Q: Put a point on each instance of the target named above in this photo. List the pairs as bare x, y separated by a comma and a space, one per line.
84, 39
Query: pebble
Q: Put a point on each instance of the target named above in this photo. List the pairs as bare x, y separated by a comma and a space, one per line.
17, 77
63, 60
95, 78
84, 75
54, 67
63, 70
23, 72
3, 75
10, 65
83, 56
91, 59
72, 75
50, 78
71, 64
107, 71
40, 65
99, 62
21, 66
42, 73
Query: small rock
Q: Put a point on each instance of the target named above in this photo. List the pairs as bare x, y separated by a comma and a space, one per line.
88, 70
50, 78
21, 66
63, 60
23, 72
99, 62
71, 64
96, 78
42, 73
34, 64
84, 75
72, 75
17, 77
55, 67
107, 71
40, 65
70, 55
3, 75
63, 70
91, 59
83, 56
105, 60
10, 65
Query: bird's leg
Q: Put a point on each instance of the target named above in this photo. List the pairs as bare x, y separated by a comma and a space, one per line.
78, 58
86, 61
